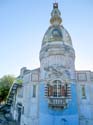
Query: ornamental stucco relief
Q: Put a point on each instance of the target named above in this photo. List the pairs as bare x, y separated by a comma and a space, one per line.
57, 71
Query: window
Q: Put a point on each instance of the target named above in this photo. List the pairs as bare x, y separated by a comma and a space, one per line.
57, 89
57, 94
34, 90
83, 92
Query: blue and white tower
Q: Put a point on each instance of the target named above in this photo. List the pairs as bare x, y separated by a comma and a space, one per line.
57, 94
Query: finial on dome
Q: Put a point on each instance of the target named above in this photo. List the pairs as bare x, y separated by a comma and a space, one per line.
55, 5
55, 15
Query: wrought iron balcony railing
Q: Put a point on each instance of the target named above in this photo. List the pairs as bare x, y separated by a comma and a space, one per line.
57, 102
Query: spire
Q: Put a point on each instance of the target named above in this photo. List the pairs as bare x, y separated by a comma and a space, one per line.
55, 15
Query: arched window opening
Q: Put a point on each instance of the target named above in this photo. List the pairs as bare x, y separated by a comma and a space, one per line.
57, 93
57, 89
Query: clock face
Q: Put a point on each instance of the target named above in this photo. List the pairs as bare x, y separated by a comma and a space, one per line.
56, 33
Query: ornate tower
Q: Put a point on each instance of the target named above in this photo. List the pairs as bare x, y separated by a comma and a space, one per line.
57, 58
57, 74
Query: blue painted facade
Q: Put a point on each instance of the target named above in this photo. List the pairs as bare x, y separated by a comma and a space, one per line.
67, 116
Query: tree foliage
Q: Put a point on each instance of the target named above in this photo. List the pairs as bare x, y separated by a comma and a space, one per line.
5, 84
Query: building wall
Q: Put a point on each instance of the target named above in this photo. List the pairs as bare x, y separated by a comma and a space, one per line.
37, 112
85, 104
68, 116
30, 101
17, 100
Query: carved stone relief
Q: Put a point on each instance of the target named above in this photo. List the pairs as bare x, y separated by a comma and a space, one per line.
56, 71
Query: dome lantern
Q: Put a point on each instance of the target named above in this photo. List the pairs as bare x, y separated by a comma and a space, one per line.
55, 15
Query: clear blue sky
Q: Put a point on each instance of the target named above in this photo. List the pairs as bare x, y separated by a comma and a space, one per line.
24, 22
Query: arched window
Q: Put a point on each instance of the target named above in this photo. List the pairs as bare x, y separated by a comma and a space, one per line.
57, 89
57, 93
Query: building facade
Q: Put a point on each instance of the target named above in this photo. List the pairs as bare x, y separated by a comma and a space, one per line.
55, 93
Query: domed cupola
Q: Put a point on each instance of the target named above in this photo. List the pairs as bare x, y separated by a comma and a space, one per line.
56, 46
56, 32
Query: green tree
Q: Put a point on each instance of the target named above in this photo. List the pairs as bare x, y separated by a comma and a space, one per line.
5, 84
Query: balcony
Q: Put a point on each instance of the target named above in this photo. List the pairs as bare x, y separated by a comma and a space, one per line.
57, 102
